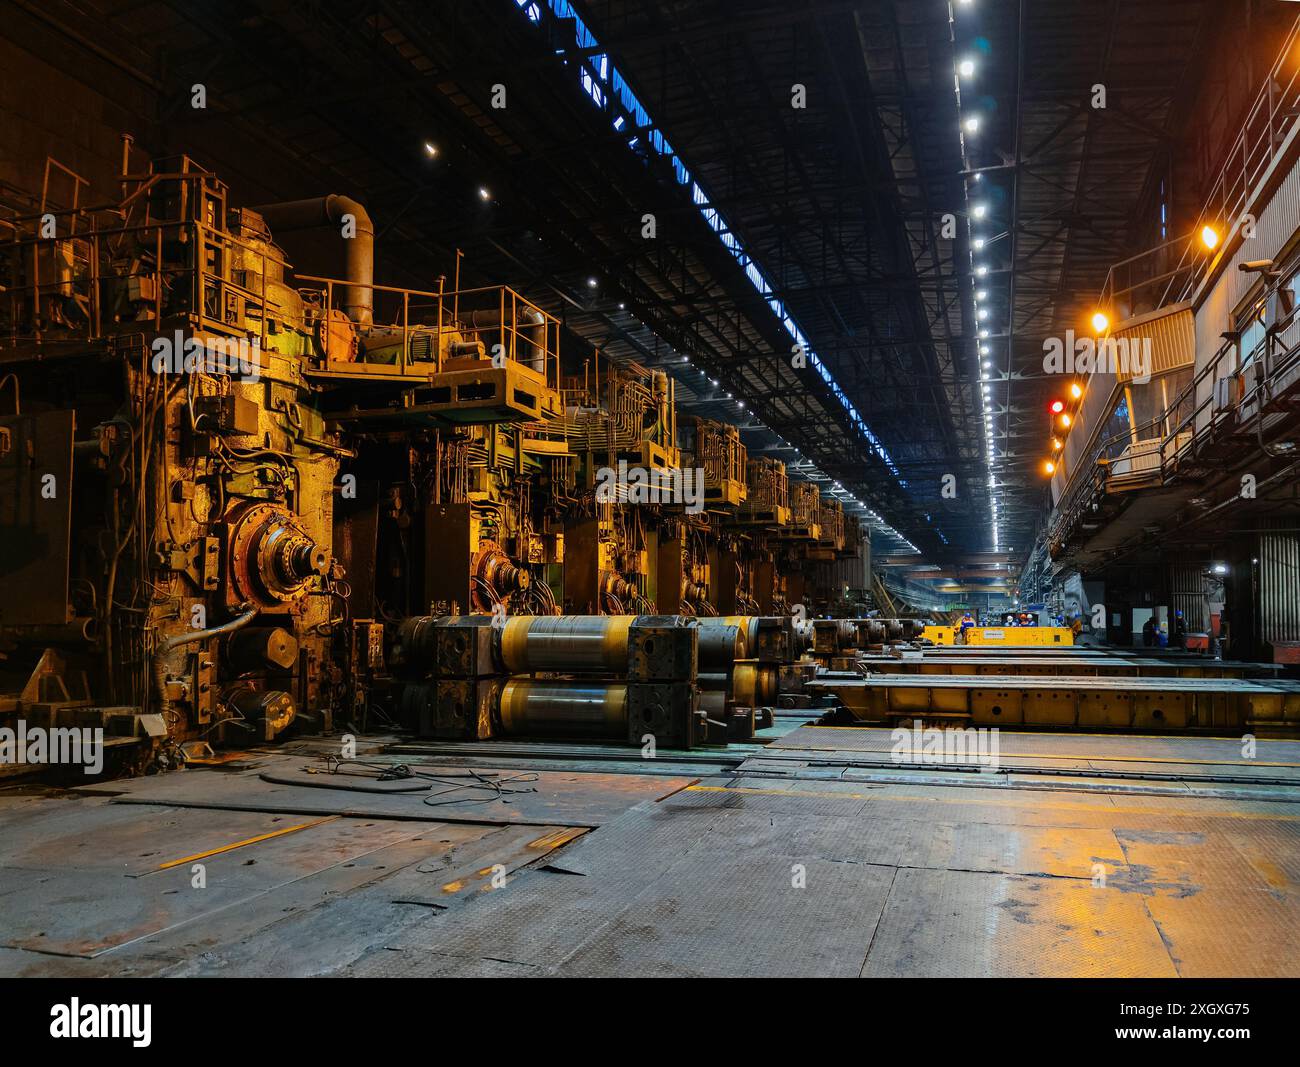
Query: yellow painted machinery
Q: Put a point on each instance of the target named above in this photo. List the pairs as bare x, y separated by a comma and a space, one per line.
261, 475
694, 680
627, 677
566, 643
767, 494
1210, 705
619, 413
1012, 636
805, 513
830, 539
531, 708
165, 392
715, 448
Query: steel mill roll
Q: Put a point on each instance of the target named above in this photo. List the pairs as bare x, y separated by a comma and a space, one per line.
564, 709
581, 643
721, 646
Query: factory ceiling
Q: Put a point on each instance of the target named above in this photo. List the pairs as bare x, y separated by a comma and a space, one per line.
795, 167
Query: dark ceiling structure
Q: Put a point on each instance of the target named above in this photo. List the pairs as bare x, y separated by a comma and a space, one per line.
825, 235
1074, 186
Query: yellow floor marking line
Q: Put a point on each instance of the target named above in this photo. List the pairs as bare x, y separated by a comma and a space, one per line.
1003, 800
246, 841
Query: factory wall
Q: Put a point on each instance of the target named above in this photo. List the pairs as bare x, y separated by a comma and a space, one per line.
49, 109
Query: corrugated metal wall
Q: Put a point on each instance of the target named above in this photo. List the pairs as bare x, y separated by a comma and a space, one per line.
1187, 594
1093, 410
1279, 584
854, 572
1173, 339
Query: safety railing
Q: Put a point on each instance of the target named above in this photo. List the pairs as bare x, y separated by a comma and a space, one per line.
152, 292
73, 287
1172, 271
506, 325
1102, 470
1259, 143
1141, 283
1179, 434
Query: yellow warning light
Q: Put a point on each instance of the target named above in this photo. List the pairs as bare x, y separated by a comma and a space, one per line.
1209, 237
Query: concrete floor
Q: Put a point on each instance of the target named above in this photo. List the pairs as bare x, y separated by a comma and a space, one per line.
814, 854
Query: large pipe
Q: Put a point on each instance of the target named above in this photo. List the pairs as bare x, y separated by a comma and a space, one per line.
713, 702
747, 624
413, 644
290, 215
754, 685
531, 326
871, 632
79, 631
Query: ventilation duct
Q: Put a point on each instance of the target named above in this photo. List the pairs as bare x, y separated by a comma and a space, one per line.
290, 215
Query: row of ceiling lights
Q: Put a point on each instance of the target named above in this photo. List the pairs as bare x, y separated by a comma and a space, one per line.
970, 126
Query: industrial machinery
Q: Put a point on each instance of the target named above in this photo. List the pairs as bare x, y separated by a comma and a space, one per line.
240, 501
715, 449
188, 430
169, 485
676, 680
767, 494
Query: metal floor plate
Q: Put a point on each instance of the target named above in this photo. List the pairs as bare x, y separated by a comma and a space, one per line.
966, 924
546, 798
899, 881
761, 872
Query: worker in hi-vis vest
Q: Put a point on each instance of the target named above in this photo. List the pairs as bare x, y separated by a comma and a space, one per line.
967, 621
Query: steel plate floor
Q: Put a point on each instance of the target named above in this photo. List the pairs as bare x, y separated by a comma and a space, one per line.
783, 866
780, 873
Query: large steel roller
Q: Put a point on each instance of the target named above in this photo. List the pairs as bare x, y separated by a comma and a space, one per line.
566, 643
721, 646
564, 709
